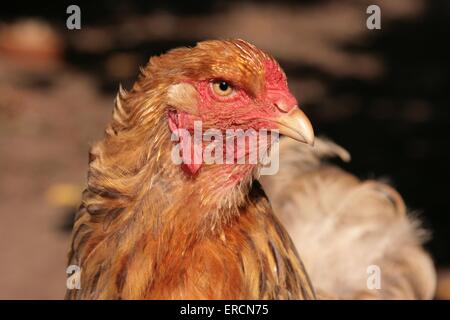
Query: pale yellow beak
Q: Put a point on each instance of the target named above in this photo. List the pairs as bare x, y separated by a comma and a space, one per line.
296, 125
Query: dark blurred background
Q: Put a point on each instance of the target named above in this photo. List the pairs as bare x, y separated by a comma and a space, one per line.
382, 94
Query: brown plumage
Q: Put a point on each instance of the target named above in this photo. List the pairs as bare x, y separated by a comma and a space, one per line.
151, 229
342, 226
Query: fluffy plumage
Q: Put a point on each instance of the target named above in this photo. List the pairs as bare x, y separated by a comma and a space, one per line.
342, 225
147, 229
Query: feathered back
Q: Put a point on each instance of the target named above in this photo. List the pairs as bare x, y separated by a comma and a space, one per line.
343, 227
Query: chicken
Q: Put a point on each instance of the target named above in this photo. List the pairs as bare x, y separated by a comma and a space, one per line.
348, 231
150, 227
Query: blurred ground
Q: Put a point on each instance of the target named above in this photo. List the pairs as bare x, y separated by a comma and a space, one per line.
382, 94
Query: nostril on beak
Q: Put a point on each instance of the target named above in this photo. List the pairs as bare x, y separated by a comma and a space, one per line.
283, 106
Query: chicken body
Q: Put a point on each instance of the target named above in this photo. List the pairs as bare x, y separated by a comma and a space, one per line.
153, 228
150, 228
349, 232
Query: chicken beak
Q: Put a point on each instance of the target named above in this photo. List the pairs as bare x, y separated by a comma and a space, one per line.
296, 125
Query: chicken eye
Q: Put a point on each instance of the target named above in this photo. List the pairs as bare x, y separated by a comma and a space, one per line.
222, 88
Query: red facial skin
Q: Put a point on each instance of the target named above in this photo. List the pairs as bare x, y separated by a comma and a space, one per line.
239, 110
